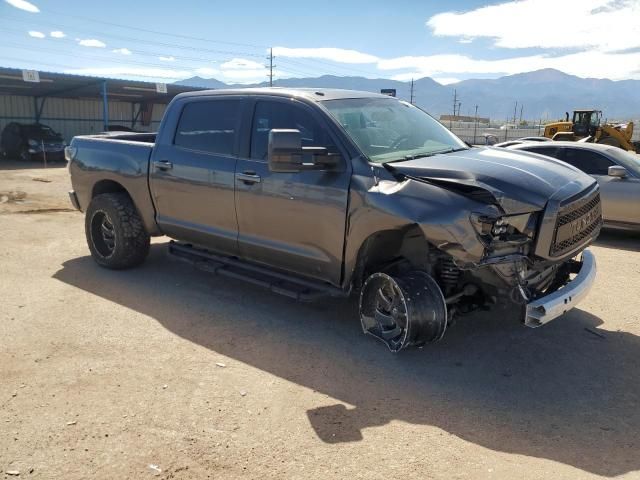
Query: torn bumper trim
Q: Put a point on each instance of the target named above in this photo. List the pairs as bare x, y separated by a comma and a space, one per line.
551, 306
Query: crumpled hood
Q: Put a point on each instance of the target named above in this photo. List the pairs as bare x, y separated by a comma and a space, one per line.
518, 181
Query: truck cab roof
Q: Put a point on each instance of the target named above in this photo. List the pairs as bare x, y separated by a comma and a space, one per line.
312, 94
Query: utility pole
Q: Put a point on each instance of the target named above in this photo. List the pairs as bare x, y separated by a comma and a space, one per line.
459, 105
515, 110
411, 97
475, 126
455, 102
271, 67
521, 113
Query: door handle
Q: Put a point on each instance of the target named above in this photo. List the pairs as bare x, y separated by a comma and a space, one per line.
248, 177
163, 165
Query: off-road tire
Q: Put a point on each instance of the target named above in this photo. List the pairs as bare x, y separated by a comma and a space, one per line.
126, 242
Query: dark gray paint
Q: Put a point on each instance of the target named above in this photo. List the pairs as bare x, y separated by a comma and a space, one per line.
314, 223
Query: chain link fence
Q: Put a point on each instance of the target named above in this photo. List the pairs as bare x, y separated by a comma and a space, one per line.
480, 134
477, 136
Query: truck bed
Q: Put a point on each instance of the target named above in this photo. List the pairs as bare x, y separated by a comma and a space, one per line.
125, 136
112, 161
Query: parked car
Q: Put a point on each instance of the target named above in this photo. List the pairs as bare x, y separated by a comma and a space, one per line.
490, 139
518, 141
29, 141
617, 172
330, 192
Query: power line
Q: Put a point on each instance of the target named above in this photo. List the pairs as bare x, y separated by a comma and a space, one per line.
139, 52
118, 61
138, 29
139, 40
67, 67
336, 69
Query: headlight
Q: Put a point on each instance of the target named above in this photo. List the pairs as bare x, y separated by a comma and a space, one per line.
490, 227
33, 143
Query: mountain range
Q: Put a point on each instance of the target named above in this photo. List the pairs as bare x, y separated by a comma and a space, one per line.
542, 94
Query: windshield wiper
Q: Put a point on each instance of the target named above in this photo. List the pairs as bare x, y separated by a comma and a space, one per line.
450, 150
423, 155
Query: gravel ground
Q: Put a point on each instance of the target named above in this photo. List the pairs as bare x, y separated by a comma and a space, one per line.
167, 372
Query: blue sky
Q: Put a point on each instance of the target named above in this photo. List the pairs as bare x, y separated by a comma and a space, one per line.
448, 41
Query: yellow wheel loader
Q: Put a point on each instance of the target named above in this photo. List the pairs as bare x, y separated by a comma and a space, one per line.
586, 127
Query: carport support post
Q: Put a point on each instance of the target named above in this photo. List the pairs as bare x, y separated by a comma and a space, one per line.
105, 106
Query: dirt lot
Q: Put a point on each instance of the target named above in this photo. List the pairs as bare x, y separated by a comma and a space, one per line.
167, 372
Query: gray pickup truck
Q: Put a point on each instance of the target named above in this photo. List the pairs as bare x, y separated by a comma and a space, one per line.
330, 192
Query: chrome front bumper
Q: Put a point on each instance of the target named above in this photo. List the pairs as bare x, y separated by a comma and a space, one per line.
551, 306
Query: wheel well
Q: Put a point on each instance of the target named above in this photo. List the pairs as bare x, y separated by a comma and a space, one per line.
384, 250
107, 186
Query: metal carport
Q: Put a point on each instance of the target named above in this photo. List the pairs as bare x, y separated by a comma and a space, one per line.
18, 88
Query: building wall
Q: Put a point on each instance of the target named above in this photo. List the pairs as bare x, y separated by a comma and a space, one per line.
72, 117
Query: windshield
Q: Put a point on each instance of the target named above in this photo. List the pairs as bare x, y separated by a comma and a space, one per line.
386, 129
630, 161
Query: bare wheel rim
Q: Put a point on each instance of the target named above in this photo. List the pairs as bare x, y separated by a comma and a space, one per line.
390, 313
384, 311
103, 234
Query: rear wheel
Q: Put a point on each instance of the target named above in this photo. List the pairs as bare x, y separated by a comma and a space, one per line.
403, 311
115, 233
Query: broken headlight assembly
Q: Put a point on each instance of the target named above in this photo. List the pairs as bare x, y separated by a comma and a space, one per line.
515, 229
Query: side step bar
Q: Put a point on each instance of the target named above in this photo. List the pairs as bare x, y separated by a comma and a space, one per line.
281, 283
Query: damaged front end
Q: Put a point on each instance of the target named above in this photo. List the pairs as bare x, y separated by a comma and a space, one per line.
533, 261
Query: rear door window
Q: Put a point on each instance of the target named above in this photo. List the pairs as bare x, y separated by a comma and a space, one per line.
209, 126
588, 161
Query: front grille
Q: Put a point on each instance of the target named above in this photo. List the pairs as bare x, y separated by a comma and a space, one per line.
578, 223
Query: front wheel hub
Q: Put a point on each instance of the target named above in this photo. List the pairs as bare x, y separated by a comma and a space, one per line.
409, 310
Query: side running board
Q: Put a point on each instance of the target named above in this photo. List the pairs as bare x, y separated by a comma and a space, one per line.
288, 285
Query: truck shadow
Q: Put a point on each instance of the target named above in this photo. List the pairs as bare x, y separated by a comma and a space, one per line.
561, 392
8, 164
619, 240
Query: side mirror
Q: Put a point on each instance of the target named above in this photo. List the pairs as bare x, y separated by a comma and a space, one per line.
286, 153
617, 171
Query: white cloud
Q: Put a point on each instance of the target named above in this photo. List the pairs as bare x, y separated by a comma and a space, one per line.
123, 51
241, 70
57, 34
36, 34
339, 55
605, 25
91, 42
167, 59
124, 71
23, 5
616, 66
241, 64
207, 72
